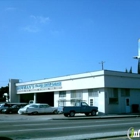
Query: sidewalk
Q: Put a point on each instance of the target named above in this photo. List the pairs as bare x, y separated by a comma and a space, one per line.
15, 117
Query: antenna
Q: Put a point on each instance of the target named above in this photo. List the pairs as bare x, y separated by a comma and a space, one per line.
102, 63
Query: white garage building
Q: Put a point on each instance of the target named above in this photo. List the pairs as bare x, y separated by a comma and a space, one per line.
112, 91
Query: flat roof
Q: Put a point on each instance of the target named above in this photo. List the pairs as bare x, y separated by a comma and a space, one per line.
82, 75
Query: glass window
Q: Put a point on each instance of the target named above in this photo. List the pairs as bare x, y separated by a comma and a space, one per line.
113, 100
34, 106
62, 103
125, 93
91, 102
77, 94
84, 104
113, 96
77, 104
41, 106
62, 94
45, 106
73, 94
93, 92
115, 92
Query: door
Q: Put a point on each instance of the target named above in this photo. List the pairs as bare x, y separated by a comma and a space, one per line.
41, 109
91, 101
127, 105
48, 109
84, 108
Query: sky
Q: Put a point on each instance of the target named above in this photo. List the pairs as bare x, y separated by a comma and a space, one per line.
52, 38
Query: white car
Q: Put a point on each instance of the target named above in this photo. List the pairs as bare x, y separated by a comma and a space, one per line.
37, 108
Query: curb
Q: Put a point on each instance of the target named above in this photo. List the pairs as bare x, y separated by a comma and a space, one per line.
96, 117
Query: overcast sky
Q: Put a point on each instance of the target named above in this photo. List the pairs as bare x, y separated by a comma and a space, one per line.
50, 38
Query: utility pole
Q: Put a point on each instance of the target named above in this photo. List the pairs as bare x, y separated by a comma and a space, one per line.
102, 63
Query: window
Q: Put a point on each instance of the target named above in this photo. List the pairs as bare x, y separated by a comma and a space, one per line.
62, 94
84, 104
113, 100
62, 103
77, 94
91, 102
41, 106
113, 96
44, 106
34, 106
125, 93
77, 104
93, 92
73, 94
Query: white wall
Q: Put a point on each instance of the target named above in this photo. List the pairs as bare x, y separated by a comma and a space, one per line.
68, 96
101, 101
85, 83
85, 96
75, 84
122, 80
56, 98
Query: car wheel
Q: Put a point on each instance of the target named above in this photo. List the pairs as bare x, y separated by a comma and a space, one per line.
55, 112
72, 114
87, 114
35, 113
10, 112
66, 115
93, 113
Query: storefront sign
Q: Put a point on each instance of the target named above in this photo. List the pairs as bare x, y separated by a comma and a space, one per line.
39, 87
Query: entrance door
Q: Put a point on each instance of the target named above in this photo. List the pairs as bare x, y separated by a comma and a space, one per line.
127, 105
91, 101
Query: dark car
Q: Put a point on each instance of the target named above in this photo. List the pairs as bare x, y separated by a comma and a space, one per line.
13, 109
4, 106
80, 107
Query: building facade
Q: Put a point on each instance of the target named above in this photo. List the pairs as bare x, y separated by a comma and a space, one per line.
111, 91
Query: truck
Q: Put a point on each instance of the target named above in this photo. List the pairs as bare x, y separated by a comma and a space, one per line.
80, 107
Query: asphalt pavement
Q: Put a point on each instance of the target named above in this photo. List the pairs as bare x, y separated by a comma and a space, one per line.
17, 117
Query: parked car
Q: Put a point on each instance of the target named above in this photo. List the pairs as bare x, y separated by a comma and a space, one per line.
13, 109
4, 106
37, 108
80, 107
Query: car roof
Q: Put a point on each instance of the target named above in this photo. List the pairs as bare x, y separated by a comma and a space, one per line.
39, 104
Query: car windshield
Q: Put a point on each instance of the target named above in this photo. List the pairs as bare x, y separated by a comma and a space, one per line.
33, 106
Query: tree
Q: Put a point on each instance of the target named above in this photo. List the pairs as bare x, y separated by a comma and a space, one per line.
126, 70
2, 91
130, 71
